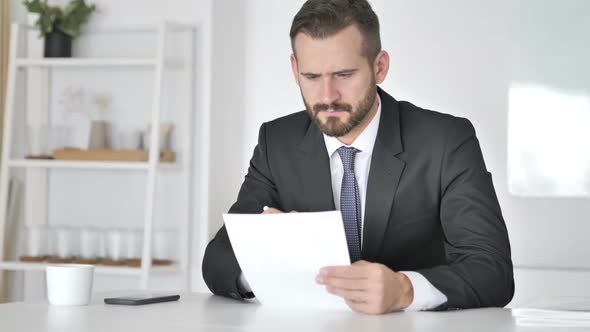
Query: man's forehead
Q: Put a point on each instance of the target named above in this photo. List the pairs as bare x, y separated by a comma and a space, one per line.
334, 53
348, 38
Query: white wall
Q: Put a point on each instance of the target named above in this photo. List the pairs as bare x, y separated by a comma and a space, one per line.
454, 57
270, 90
17, 11
227, 106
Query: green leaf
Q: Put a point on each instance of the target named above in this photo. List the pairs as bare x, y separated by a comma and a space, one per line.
34, 6
68, 20
75, 15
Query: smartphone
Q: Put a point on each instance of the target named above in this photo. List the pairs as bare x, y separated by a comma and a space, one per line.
141, 299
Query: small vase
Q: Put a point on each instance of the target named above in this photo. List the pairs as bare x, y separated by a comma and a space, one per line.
99, 133
58, 44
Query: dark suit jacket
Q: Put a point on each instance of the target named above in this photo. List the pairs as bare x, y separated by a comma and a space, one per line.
430, 204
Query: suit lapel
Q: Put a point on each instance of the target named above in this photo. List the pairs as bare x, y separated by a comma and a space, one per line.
384, 175
315, 164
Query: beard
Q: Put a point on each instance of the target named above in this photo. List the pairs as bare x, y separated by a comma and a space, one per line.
333, 125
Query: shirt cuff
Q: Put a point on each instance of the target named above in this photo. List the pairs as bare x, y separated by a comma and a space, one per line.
426, 296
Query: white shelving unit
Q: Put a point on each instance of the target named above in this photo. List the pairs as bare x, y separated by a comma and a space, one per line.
151, 167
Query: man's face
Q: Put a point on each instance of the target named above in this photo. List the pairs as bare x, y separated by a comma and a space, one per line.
336, 81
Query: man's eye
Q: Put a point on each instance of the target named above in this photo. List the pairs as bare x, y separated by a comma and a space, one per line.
312, 77
344, 75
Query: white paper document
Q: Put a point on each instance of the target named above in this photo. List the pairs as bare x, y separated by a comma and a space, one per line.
555, 312
281, 255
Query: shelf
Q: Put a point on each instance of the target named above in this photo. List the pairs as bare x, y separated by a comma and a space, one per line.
92, 165
95, 165
124, 28
86, 62
100, 269
106, 165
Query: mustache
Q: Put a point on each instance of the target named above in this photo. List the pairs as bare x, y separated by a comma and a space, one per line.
335, 106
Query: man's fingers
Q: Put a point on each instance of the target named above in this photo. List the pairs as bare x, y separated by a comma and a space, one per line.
348, 295
357, 306
363, 307
271, 211
344, 283
361, 262
346, 272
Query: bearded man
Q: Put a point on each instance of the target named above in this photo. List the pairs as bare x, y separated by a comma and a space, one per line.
422, 221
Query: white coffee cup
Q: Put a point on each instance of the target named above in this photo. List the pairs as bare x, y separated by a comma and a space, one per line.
69, 284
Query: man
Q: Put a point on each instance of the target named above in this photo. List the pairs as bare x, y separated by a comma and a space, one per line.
423, 224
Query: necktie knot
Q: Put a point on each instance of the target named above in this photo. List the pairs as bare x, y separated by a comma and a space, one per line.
347, 155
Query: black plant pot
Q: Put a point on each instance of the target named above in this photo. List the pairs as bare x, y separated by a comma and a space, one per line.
58, 44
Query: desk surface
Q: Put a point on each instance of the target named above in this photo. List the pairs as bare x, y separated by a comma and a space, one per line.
205, 312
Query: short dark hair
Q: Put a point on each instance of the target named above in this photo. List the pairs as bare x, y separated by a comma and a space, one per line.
324, 18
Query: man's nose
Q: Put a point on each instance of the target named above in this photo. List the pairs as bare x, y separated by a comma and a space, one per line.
330, 92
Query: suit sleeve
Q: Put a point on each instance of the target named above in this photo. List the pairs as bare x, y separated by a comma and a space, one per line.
220, 268
479, 270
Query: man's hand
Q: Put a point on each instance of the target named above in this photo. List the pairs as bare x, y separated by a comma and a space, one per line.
369, 288
273, 210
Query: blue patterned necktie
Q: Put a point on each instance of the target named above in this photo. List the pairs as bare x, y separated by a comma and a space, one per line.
350, 203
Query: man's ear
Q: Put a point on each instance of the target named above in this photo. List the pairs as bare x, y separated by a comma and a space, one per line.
294, 68
381, 66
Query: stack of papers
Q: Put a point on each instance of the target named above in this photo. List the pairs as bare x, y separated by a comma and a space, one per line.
281, 255
556, 312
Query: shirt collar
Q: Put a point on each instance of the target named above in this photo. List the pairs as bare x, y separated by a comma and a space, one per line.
364, 142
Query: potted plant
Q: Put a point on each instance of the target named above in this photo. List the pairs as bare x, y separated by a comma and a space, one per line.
59, 24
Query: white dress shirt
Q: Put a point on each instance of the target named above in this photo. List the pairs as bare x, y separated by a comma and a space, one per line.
426, 296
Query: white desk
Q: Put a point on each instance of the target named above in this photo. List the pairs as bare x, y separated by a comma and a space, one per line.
205, 312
